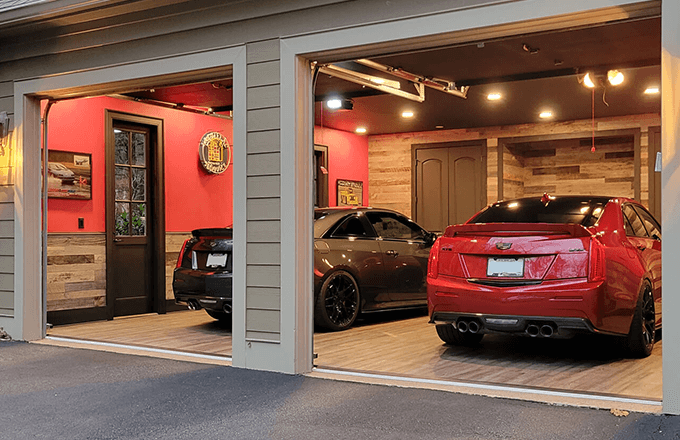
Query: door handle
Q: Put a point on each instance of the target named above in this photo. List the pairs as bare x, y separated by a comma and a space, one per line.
117, 240
392, 253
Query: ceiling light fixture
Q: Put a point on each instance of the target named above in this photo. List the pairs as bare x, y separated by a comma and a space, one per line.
614, 77
407, 114
360, 130
545, 114
652, 90
339, 104
439, 127
493, 96
588, 81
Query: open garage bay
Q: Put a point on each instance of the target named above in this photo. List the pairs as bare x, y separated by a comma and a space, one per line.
404, 344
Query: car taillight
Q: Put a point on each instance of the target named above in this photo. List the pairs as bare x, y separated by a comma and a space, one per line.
181, 254
597, 262
433, 261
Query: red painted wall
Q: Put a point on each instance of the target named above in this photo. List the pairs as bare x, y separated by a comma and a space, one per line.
347, 159
193, 198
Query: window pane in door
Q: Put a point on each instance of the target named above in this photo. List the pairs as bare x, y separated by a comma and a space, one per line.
138, 184
138, 148
138, 219
122, 146
122, 183
122, 218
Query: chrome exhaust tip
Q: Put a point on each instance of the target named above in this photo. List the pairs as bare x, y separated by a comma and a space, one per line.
226, 308
462, 326
533, 330
547, 331
473, 327
193, 305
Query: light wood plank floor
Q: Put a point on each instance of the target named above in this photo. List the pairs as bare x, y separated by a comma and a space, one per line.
404, 344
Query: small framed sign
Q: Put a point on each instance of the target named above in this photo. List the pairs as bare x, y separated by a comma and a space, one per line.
350, 192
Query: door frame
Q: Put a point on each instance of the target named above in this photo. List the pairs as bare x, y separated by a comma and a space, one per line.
157, 185
482, 143
654, 197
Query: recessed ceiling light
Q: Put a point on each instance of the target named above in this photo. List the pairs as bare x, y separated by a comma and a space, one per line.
407, 114
652, 90
439, 126
545, 114
493, 96
360, 130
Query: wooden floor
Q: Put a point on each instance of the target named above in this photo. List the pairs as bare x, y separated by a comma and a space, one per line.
406, 345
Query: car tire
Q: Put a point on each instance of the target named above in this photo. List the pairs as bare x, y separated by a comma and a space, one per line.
642, 334
224, 318
450, 335
337, 306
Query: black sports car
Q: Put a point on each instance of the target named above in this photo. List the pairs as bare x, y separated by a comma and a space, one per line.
367, 260
202, 277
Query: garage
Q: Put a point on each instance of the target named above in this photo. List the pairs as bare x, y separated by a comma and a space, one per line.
503, 118
284, 167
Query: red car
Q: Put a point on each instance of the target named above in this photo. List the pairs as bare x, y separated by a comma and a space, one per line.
549, 267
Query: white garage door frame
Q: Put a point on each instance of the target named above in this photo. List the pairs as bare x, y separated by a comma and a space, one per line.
471, 24
29, 320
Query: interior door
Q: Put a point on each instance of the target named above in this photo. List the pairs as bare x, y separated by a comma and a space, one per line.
129, 223
450, 184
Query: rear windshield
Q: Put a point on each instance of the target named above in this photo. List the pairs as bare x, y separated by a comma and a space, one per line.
584, 212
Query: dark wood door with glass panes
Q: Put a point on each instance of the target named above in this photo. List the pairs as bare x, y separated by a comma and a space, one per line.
131, 232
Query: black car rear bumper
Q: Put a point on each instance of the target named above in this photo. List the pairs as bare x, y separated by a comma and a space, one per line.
210, 290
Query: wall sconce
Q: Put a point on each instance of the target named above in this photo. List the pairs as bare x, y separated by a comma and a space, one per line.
4, 132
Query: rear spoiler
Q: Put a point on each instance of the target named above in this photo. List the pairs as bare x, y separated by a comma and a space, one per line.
213, 232
513, 228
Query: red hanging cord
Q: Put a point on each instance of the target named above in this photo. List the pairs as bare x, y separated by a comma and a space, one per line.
592, 150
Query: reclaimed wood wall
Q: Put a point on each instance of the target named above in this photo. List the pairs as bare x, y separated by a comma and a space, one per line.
569, 166
389, 156
76, 271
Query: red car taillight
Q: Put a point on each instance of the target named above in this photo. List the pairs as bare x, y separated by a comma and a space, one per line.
597, 261
181, 254
433, 261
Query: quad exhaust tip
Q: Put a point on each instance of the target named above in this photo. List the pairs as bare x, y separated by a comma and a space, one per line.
533, 330
546, 331
226, 308
462, 326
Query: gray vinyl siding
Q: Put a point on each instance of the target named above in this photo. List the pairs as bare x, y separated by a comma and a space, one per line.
263, 203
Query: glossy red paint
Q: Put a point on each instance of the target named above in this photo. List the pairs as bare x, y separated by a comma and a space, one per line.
570, 271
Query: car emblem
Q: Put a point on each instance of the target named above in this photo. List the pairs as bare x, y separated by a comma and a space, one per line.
503, 246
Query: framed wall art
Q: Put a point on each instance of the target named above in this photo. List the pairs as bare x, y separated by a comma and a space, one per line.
350, 192
69, 175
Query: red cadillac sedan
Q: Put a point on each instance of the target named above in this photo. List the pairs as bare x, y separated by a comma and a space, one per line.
549, 267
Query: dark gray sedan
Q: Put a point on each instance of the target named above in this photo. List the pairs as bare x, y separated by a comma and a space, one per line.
367, 260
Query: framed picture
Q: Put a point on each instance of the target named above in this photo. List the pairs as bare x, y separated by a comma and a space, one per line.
69, 175
350, 192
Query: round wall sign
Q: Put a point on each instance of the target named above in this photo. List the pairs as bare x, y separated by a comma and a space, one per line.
214, 152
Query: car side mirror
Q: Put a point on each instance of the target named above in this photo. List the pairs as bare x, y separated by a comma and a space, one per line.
430, 238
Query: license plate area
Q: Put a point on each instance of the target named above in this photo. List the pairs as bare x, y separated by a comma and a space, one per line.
505, 267
216, 260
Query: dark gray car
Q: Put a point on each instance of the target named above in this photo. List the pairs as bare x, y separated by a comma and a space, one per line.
367, 260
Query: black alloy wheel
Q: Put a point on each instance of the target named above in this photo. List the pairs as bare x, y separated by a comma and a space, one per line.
642, 333
338, 304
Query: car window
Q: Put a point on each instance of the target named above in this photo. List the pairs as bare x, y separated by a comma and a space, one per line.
629, 229
392, 226
351, 227
650, 222
584, 211
638, 227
